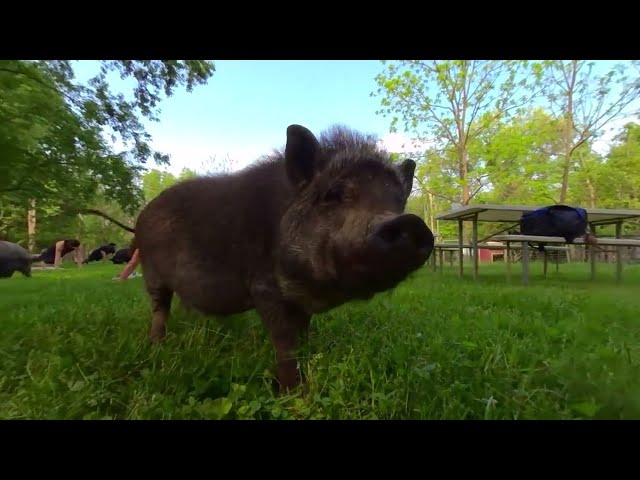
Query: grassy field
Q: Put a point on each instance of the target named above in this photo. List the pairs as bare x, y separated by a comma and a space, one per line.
73, 346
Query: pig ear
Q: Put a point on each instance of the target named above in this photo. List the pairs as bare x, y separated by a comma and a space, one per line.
301, 154
407, 169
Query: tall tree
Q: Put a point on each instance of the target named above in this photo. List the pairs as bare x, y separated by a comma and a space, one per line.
53, 130
432, 188
520, 158
587, 102
618, 178
155, 181
587, 169
456, 100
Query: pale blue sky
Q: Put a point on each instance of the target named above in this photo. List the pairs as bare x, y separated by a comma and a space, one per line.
246, 107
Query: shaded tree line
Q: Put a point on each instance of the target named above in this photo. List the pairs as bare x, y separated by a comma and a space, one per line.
59, 138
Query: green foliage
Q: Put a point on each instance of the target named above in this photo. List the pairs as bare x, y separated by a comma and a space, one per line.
155, 181
44, 145
12, 223
520, 158
95, 231
415, 205
587, 102
451, 99
54, 134
562, 348
454, 102
618, 179
52, 129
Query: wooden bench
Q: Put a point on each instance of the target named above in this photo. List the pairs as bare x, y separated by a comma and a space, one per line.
524, 241
440, 248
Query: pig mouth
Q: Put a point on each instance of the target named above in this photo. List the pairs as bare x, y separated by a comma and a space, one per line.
385, 256
393, 248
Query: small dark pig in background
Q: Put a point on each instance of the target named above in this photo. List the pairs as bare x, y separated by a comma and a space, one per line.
122, 256
14, 258
305, 230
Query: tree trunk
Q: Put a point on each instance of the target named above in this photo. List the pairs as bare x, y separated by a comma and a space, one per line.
568, 151
592, 193
464, 200
31, 225
432, 213
568, 131
464, 169
425, 210
565, 177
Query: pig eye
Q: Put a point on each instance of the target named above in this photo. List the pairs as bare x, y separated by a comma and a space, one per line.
334, 195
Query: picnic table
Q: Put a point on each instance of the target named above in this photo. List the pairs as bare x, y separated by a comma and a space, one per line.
511, 214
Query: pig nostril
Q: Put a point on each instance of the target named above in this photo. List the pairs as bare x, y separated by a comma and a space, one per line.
393, 235
405, 230
387, 235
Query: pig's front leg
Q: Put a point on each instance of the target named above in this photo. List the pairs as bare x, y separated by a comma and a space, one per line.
287, 324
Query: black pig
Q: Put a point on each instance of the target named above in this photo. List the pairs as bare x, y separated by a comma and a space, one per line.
14, 258
300, 232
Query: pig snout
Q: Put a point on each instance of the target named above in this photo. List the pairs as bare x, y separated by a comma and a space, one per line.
402, 234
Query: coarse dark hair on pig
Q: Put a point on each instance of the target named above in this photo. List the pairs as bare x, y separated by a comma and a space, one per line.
299, 232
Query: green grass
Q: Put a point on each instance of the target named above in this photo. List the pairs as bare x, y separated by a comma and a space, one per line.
74, 346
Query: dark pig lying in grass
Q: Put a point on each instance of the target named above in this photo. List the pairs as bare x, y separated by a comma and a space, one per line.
14, 258
305, 230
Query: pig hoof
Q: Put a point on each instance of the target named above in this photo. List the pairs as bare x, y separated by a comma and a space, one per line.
156, 337
285, 388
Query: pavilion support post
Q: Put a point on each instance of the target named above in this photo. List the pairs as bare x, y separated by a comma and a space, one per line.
474, 242
525, 263
460, 252
592, 254
508, 254
618, 253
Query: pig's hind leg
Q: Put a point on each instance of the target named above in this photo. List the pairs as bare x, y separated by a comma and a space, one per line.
160, 306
